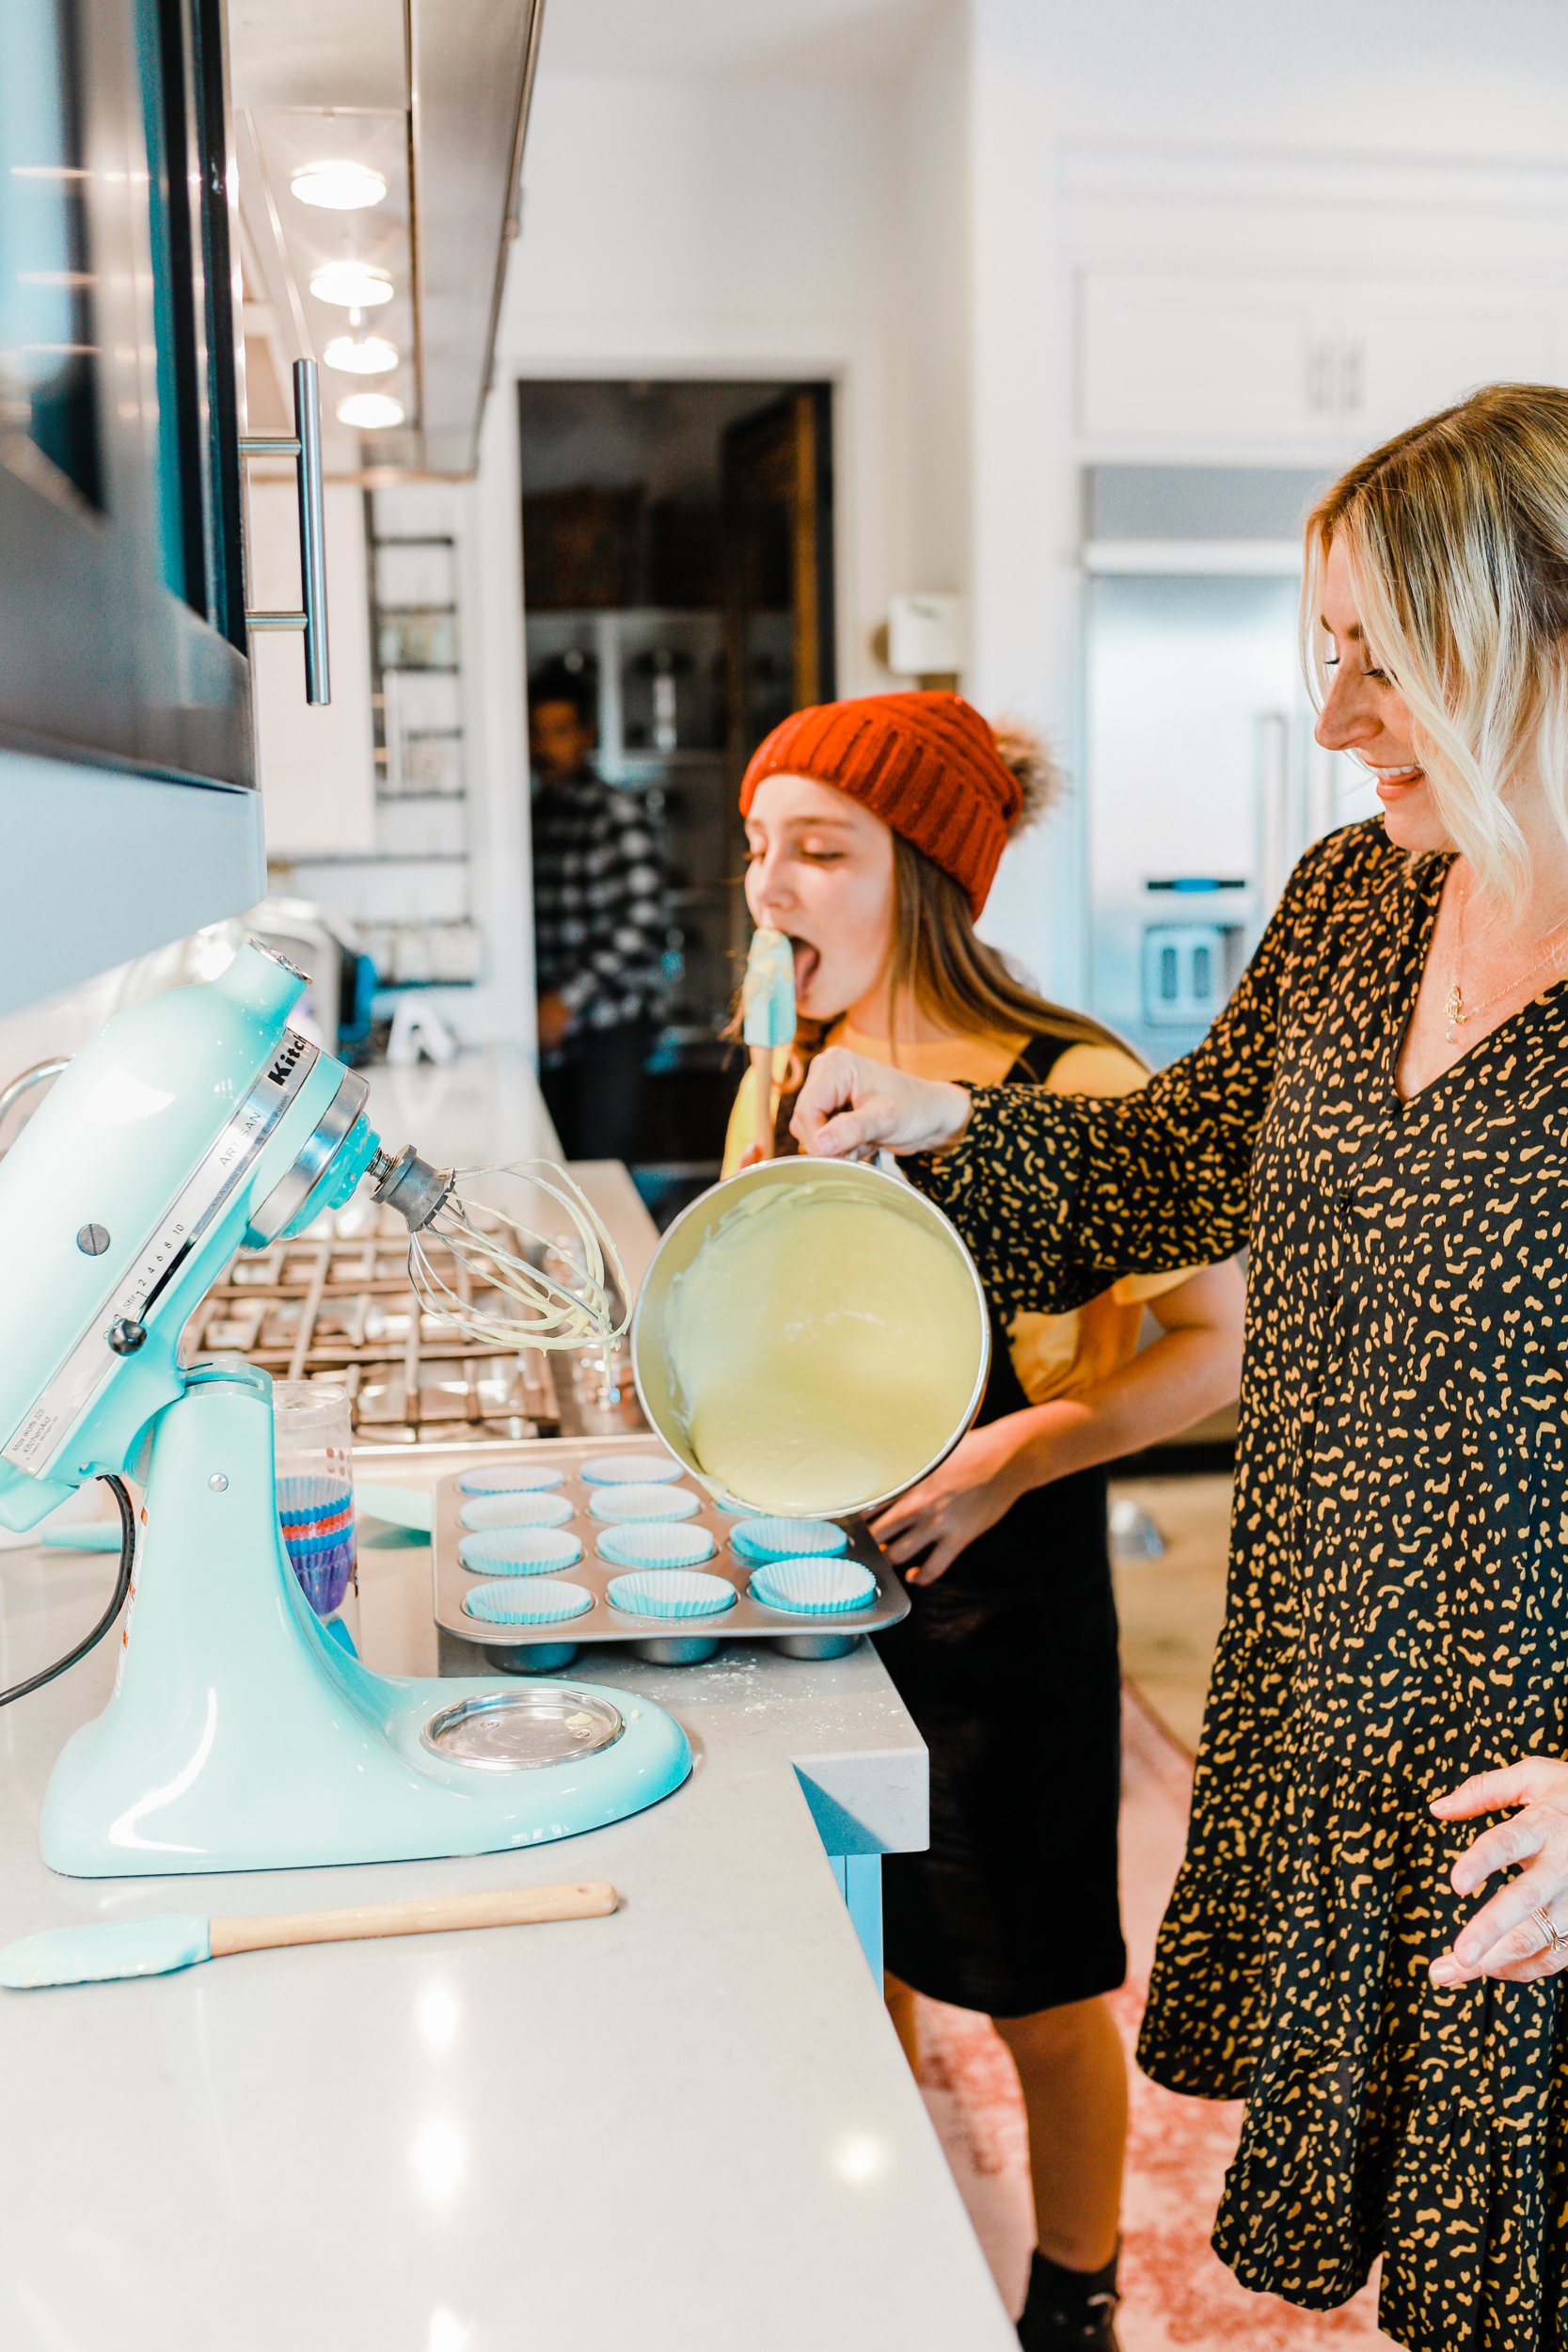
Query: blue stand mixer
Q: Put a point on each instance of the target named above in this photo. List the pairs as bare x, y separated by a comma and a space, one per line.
240, 1735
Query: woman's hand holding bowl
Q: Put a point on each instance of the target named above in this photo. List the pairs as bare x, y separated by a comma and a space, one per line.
851, 1107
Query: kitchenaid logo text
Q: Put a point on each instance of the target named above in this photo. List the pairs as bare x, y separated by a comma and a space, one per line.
288, 1059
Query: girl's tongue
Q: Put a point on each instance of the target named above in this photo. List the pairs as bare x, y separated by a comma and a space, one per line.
806, 962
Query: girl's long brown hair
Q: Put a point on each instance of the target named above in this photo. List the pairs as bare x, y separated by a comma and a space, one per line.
940, 962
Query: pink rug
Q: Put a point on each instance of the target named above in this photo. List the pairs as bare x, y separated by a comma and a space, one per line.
1178, 2294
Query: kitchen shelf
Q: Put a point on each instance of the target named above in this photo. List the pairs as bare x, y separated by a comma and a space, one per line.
398, 988
388, 857
420, 742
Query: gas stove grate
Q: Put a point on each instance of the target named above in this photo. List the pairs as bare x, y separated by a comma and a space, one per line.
341, 1309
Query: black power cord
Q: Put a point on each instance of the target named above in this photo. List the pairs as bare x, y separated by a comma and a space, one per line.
122, 1585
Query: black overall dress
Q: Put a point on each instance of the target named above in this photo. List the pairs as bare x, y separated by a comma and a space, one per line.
1009, 1667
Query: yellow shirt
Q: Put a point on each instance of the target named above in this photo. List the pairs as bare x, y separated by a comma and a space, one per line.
1052, 1355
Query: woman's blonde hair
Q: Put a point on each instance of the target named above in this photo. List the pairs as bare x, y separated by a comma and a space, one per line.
1456, 537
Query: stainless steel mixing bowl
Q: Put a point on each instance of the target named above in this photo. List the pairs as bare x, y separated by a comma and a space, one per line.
687, 1235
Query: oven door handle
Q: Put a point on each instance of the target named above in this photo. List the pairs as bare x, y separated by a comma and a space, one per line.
304, 447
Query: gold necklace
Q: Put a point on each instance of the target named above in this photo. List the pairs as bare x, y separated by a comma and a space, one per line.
1457, 1011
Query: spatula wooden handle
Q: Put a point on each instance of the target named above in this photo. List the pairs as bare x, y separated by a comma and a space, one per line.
504, 1907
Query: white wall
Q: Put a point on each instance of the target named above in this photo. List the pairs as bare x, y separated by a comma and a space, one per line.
930, 505
706, 228
1442, 79
1021, 552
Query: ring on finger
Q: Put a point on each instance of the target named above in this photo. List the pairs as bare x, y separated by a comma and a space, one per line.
1556, 1940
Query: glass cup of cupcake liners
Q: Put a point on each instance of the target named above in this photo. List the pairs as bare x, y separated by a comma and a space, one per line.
313, 1453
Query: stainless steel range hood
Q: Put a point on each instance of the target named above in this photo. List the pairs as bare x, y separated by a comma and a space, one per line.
435, 98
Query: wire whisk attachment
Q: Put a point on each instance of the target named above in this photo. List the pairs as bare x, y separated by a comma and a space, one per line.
465, 1248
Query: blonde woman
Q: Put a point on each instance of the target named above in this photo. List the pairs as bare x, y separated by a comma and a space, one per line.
873, 829
1382, 1113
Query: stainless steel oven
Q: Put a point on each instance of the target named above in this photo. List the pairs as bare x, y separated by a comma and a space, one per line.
122, 601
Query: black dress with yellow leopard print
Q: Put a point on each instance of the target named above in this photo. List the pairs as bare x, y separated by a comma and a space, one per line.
1398, 1611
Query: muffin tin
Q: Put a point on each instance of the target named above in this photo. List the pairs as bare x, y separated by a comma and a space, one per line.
679, 1533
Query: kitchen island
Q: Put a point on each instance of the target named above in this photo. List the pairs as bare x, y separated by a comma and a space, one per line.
687, 2127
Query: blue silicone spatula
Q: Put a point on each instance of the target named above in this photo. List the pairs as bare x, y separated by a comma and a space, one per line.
766, 1018
154, 1947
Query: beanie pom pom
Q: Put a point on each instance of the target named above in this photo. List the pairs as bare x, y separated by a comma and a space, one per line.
1038, 774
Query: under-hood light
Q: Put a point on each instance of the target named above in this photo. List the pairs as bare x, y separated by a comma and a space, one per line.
352, 285
362, 354
370, 412
339, 187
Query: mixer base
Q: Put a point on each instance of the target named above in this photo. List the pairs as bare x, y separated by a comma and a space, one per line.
240, 1737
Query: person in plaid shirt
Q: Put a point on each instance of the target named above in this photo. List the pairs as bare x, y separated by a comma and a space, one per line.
600, 923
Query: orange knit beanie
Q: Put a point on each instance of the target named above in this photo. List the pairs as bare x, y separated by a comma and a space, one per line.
926, 764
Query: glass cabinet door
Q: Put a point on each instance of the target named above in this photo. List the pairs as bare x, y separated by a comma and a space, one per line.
122, 623
47, 390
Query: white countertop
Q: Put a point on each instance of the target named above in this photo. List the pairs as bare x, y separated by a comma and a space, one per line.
483, 1107
687, 2128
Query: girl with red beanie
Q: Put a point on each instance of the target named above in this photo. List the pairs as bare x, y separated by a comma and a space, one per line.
874, 830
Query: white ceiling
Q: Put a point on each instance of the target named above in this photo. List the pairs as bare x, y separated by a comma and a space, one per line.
733, 38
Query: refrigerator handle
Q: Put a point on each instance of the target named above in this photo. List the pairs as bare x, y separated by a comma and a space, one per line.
1274, 852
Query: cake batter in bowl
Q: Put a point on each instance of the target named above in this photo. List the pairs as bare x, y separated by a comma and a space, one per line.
812, 1338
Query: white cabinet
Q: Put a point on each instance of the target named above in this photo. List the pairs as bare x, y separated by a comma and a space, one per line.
1404, 350
315, 762
1234, 358
1237, 361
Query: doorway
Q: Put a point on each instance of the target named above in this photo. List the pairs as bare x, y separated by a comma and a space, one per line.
677, 552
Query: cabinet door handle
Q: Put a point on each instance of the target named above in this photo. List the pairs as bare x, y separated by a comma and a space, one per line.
1320, 363
1352, 363
304, 447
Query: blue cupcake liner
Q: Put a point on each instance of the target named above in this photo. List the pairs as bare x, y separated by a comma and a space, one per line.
519, 1552
643, 1502
303, 1547
523, 1510
510, 1478
813, 1588
544, 1603
670, 1593
325, 1577
658, 1545
759, 1540
630, 1470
